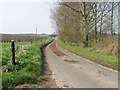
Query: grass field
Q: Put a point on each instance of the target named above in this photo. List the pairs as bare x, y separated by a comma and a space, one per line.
29, 66
105, 58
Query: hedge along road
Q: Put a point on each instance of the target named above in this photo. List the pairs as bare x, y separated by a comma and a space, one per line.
72, 71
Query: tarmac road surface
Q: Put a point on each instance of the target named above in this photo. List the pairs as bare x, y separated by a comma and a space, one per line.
72, 71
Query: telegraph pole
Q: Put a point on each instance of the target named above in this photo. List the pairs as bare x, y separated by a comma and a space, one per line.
36, 31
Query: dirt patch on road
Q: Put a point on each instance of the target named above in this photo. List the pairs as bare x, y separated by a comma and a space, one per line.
56, 50
71, 61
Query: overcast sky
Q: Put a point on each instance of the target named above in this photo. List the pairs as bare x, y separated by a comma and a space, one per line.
23, 16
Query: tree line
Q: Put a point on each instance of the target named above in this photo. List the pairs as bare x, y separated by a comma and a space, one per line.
85, 22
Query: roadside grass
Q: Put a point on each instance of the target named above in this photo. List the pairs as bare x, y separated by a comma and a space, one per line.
5, 53
6, 50
102, 57
29, 65
0, 78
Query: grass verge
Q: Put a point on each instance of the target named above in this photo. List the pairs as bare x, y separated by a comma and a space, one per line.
102, 57
29, 65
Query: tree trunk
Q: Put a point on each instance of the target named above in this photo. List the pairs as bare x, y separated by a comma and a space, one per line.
86, 26
112, 3
96, 22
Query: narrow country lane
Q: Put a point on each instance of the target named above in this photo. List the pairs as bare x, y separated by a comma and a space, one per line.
72, 71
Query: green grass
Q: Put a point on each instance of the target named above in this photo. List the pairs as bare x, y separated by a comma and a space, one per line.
29, 65
97, 56
5, 53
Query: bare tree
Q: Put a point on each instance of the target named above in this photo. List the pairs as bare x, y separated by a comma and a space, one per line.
85, 22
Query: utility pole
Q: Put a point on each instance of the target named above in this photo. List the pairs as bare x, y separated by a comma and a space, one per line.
21, 38
36, 31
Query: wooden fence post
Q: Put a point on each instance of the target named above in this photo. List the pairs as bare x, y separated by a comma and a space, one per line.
13, 51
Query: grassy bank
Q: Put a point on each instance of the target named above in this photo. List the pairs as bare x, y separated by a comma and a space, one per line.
28, 68
105, 58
